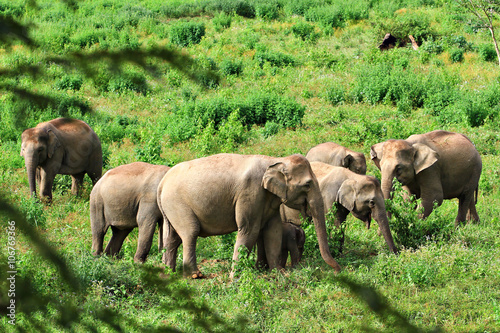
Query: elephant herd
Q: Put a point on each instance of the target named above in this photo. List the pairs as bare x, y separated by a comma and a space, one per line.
262, 198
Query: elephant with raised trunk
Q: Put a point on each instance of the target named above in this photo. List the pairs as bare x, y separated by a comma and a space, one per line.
124, 199
337, 155
60, 146
350, 192
433, 166
223, 193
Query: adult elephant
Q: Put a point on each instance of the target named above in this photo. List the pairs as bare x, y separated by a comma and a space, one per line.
335, 154
60, 146
350, 192
432, 166
123, 199
223, 193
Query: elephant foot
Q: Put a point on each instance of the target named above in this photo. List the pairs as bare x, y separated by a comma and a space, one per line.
197, 275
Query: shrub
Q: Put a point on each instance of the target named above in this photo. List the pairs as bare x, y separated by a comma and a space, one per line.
487, 52
328, 16
270, 128
275, 58
267, 10
32, 208
230, 67
305, 32
187, 33
128, 80
149, 151
221, 22
336, 94
408, 229
69, 82
457, 55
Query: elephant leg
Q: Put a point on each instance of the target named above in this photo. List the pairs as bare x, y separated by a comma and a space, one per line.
172, 245
272, 234
116, 241
340, 217
98, 234
294, 253
284, 258
472, 213
464, 204
46, 182
261, 254
146, 233
77, 183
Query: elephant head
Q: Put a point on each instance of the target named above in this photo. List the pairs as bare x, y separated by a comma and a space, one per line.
364, 199
38, 145
402, 160
293, 181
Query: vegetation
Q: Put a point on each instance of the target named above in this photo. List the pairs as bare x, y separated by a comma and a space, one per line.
165, 82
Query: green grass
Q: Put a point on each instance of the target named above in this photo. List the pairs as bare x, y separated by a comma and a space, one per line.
310, 82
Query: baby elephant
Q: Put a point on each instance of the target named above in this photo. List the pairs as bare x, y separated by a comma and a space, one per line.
125, 198
293, 241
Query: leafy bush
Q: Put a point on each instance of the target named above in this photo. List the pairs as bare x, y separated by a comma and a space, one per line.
305, 32
328, 16
408, 229
128, 81
487, 52
408, 23
221, 22
33, 210
69, 82
274, 58
268, 10
149, 151
457, 55
336, 94
187, 33
231, 67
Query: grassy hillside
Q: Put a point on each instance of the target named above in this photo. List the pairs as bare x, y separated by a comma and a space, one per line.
268, 77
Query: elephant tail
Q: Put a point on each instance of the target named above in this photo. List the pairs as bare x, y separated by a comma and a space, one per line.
476, 192
97, 221
164, 226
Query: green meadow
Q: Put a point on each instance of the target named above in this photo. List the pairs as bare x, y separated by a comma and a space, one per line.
273, 77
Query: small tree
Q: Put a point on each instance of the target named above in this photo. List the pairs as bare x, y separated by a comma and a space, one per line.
486, 11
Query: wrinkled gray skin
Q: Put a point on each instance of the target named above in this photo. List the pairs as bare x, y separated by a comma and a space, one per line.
360, 195
124, 199
433, 166
337, 155
60, 146
224, 193
293, 241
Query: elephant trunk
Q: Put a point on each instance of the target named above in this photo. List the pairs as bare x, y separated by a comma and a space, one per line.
380, 215
386, 183
31, 165
317, 210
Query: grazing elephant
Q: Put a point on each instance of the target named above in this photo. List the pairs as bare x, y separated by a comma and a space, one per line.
432, 166
293, 241
360, 195
223, 193
334, 154
123, 199
60, 146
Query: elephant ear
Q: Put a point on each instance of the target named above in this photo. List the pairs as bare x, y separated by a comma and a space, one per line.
52, 144
376, 153
348, 160
424, 157
274, 180
346, 195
